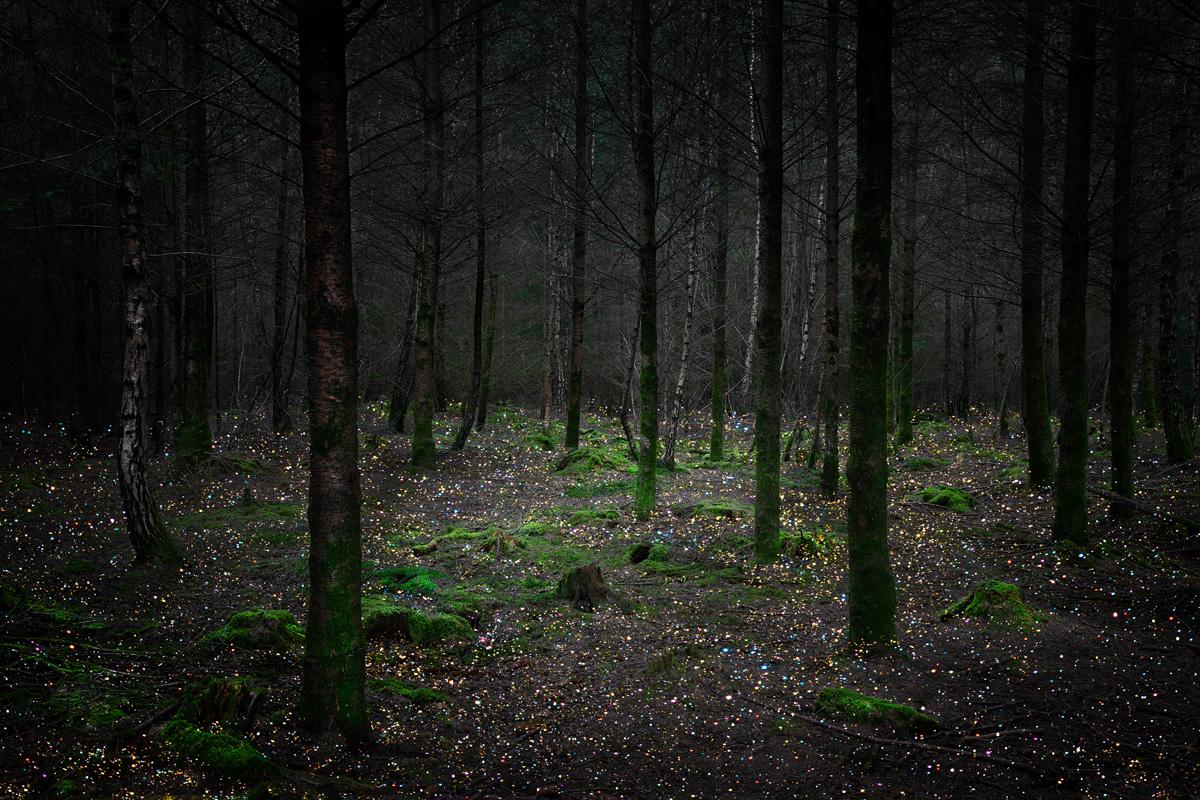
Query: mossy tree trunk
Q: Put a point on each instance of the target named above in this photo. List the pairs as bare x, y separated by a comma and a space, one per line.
472, 400
193, 439
647, 240
1173, 369
1035, 393
425, 377
830, 377
332, 689
1122, 342
768, 333
1070, 498
908, 280
579, 230
150, 538
872, 591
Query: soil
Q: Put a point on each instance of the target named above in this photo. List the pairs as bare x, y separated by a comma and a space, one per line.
702, 683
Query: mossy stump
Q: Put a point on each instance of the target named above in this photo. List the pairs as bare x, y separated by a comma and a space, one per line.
382, 618
851, 706
583, 587
994, 601
259, 629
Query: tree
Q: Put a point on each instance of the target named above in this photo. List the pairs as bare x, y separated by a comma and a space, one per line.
768, 332
332, 698
1122, 342
643, 158
150, 538
194, 436
872, 591
1070, 498
908, 280
830, 375
433, 112
281, 418
716, 442
579, 231
1036, 409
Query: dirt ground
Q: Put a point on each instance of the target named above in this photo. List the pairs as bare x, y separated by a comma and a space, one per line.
699, 680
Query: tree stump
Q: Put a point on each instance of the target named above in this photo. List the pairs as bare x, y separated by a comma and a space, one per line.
583, 587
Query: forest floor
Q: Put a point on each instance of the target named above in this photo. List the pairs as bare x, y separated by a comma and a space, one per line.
702, 680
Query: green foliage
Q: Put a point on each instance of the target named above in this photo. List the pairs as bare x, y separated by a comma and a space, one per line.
537, 528
996, 602
730, 509
851, 706
590, 458
930, 426
922, 463
419, 695
644, 551
947, 497
229, 701
541, 441
259, 629
217, 752
381, 617
410, 578
600, 489
608, 515
86, 712
806, 544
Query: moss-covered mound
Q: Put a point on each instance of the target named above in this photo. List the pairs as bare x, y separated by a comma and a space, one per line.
591, 458
646, 551
215, 751
418, 695
229, 701
805, 544
411, 579
607, 515
381, 617
729, 509
997, 602
849, 705
922, 463
947, 497
259, 629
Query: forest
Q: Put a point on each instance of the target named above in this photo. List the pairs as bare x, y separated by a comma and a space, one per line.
599, 399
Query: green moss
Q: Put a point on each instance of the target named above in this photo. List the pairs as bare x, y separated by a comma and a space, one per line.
536, 528
730, 509
586, 516
217, 752
260, 629
590, 458
541, 441
806, 544
1018, 472
947, 497
419, 695
229, 701
382, 617
997, 602
851, 706
600, 489
922, 463
87, 712
410, 579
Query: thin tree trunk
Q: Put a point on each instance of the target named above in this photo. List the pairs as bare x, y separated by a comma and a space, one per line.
551, 340
1122, 343
830, 377
1147, 392
489, 345
647, 236
968, 352
472, 400
332, 687
281, 418
150, 538
194, 437
872, 591
627, 390
423, 452
402, 389
908, 280
1070, 497
716, 442
1001, 374
769, 331
579, 231
947, 341
1035, 392
668, 458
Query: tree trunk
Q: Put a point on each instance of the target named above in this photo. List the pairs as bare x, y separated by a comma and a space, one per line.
489, 345
579, 232
423, 452
194, 437
872, 592
968, 351
551, 340
1120, 379
947, 342
716, 441
830, 377
647, 236
1035, 393
627, 390
281, 418
1070, 499
668, 458
472, 400
150, 539
332, 688
769, 331
1001, 374
1147, 392
1173, 370
908, 280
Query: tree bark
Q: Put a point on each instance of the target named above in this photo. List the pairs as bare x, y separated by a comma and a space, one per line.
150, 539
908, 280
769, 331
489, 345
1070, 499
423, 450
332, 688
647, 237
1122, 342
830, 377
472, 399
968, 351
579, 231
668, 458
627, 390
872, 591
1036, 399
281, 418
193, 439
550, 342
716, 441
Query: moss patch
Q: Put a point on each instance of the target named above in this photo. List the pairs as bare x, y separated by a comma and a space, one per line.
215, 751
806, 544
608, 515
922, 464
418, 695
729, 509
851, 706
997, 602
946, 497
259, 629
589, 458
381, 617
410, 579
